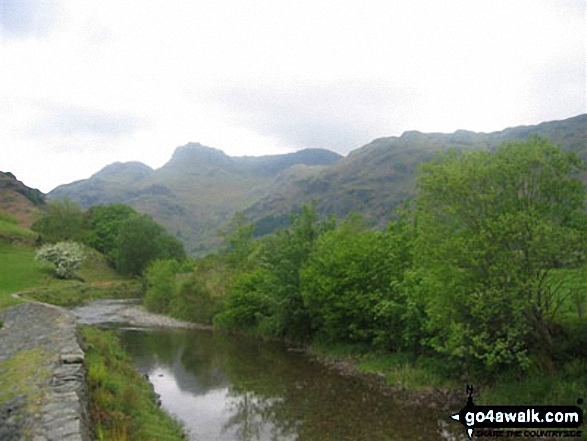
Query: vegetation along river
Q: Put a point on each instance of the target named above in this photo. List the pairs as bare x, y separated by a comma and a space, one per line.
226, 387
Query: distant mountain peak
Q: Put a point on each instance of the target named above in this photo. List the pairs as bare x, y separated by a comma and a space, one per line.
196, 154
133, 169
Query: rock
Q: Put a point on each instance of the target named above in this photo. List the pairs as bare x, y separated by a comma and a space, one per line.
73, 358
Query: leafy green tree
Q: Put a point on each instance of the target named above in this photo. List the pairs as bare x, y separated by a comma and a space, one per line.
284, 255
268, 298
351, 280
249, 304
141, 240
103, 224
63, 221
492, 225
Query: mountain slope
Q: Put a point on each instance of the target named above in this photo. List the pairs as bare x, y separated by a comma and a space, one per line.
22, 202
197, 190
374, 179
201, 187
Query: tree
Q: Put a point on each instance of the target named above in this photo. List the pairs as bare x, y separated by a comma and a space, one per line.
103, 224
62, 221
284, 255
491, 228
351, 283
238, 237
141, 240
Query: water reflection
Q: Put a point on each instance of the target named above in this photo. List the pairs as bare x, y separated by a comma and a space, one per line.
233, 388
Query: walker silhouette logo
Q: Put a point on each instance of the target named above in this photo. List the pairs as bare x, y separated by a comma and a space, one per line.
514, 421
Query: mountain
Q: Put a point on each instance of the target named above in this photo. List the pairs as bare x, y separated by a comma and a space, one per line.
374, 179
198, 190
200, 187
22, 202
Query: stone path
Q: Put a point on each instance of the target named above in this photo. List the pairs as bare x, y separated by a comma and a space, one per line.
61, 411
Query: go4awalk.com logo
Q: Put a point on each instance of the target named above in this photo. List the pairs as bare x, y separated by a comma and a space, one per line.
520, 421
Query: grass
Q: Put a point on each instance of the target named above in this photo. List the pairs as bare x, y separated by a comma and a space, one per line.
122, 404
401, 370
19, 271
23, 375
10, 232
74, 293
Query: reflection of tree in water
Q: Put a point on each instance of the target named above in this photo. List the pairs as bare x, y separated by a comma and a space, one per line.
275, 394
191, 357
257, 418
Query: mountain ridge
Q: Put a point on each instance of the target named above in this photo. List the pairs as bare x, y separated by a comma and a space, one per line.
197, 190
201, 187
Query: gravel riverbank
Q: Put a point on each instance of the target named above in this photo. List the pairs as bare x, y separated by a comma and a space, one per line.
128, 312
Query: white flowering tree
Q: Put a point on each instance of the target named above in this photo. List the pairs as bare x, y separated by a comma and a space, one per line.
66, 256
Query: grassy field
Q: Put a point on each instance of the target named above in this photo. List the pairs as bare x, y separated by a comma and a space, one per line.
19, 271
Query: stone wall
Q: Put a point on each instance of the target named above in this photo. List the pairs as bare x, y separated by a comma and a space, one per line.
51, 403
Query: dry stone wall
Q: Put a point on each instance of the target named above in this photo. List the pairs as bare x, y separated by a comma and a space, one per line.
58, 411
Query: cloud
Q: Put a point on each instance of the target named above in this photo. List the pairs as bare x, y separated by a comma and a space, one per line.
26, 18
79, 122
338, 116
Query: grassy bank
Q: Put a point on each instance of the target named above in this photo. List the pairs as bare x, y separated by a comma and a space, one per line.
122, 403
20, 271
424, 374
74, 293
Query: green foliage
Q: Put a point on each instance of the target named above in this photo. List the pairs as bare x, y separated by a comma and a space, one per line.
249, 302
103, 225
268, 299
63, 221
353, 285
183, 296
571, 284
66, 256
141, 240
121, 403
238, 238
160, 278
194, 302
284, 256
491, 228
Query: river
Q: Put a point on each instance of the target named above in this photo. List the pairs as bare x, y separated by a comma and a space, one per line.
225, 387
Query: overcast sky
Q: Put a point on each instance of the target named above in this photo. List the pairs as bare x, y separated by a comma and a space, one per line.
87, 83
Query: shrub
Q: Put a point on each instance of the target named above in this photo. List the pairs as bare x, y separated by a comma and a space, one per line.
160, 280
66, 256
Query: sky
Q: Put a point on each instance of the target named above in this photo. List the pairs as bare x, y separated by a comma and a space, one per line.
87, 83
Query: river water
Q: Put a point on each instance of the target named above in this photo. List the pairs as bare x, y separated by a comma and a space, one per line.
225, 387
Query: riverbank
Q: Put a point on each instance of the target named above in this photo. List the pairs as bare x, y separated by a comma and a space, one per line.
122, 404
52, 390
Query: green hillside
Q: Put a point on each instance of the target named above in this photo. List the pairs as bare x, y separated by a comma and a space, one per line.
198, 190
375, 178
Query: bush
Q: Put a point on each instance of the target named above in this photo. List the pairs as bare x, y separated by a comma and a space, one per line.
160, 280
193, 302
66, 256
